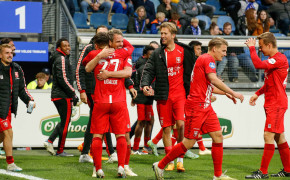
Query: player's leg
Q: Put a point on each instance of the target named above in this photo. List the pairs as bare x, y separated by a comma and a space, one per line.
96, 151
139, 127
217, 152
202, 149
153, 143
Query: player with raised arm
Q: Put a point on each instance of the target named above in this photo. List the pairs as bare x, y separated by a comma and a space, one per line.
200, 116
276, 103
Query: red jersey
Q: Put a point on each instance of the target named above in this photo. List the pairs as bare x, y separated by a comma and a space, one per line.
110, 90
276, 75
174, 60
200, 86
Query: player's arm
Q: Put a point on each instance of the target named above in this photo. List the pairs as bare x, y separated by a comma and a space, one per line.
254, 98
224, 89
258, 63
105, 74
148, 74
90, 66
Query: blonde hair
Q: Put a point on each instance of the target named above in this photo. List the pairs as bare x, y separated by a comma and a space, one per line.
2, 46
40, 75
194, 20
170, 26
112, 32
139, 8
217, 42
159, 15
268, 38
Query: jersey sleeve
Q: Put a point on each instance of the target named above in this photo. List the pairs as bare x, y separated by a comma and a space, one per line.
209, 66
89, 57
128, 62
273, 63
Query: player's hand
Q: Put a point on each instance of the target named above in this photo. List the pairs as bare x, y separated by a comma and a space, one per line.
84, 97
213, 98
151, 91
106, 52
75, 100
250, 42
232, 98
239, 96
146, 91
253, 100
134, 92
104, 74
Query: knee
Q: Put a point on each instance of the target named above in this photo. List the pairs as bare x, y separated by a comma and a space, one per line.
218, 137
106, 5
84, 4
166, 130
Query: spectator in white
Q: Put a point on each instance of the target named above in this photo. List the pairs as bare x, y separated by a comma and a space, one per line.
280, 12
95, 5
193, 29
247, 4
204, 8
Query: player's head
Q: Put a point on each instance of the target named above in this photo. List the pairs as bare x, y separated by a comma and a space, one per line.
227, 29
115, 38
147, 51
6, 54
102, 28
10, 42
168, 33
101, 40
41, 79
267, 42
196, 45
154, 44
63, 45
217, 47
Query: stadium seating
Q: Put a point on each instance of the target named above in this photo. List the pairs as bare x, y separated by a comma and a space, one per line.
98, 19
80, 21
119, 21
287, 54
217, 6
223, 19
77, 8
156, 4
279, 35
206, 19
138, 51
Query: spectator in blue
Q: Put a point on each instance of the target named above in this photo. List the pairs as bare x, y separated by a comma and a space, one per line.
99, 6
160, 18
137, 23
149, 8
280, 12
193, 29
121, 6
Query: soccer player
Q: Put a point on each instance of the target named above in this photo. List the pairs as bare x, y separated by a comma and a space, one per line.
200, 116
63, 96
12, 83
276, 103
171, 65
110, 67
86, 85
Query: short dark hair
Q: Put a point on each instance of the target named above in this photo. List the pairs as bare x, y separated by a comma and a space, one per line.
58, 43
194, 43
5, 41
154, 42
147, 48
101, 26
101, 39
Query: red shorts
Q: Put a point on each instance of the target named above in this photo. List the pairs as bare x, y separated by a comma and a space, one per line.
6, 123
145, 112
274, 119
109, 115
200, 121
170, 110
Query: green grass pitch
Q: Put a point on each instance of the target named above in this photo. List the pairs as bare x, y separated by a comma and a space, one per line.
237, 162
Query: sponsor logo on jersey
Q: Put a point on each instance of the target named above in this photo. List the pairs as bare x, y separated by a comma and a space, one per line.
109, 81
178, 60
272, 61
76, 128
5, 124
126, 49
195, 133
226, 127
269, 125
212, 65
1, 76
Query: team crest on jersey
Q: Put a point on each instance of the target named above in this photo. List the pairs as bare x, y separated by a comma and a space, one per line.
16, 75
5, 124
1, 76
212, 65
178, 59
195, 133
272, 61
269, 126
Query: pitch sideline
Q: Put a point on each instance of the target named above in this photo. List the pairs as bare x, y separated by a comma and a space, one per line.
9, 173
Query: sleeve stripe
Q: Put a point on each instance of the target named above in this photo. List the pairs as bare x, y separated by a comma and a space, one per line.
78, 67
25, 86
64, 74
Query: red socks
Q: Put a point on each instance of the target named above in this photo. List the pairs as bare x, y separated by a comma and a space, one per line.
136, 143
146, 139
269, 150
167, 149
96, 150
9, 159
176, 151
121, 150
285, 155
158, 137
217, 157
128, 153
200, 144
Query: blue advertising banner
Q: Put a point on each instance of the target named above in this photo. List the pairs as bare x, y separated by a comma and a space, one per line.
21, 17
31, 51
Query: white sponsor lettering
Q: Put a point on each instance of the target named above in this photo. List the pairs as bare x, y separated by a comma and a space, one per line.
109, 81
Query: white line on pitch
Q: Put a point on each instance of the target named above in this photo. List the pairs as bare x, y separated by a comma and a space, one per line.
9, 173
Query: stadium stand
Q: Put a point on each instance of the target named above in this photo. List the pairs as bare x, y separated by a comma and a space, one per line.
77, 8
206, 19
120, 21
279, 35
98, 19
221, 20
217, 6
80, 21
156, 4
